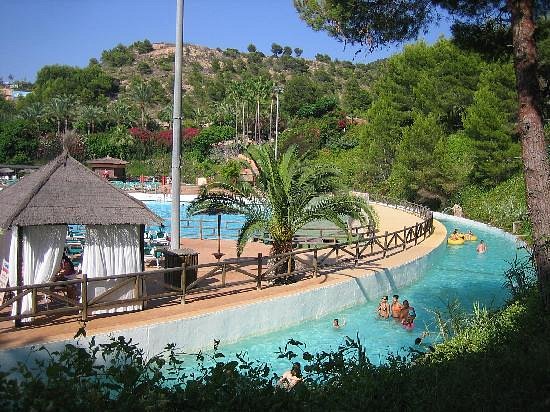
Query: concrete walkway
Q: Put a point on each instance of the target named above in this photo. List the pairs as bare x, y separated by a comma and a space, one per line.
65, 328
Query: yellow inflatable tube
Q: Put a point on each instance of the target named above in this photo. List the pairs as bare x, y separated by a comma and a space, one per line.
459, 241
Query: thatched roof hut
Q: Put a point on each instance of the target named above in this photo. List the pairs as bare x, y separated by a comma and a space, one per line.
37, 210
65, 191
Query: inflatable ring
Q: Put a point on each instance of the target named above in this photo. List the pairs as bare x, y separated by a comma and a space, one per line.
471, 237
459, 241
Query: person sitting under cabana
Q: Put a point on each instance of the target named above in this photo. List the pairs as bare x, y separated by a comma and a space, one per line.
66, 272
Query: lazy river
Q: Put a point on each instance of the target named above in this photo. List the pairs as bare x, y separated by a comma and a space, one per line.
454, 272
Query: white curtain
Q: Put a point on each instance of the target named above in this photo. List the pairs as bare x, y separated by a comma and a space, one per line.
42, 250
112, 250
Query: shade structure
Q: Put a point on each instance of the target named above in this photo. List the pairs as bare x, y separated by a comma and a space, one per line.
65, 191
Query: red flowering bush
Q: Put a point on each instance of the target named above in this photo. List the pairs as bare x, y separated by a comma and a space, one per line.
189, 133
142, 135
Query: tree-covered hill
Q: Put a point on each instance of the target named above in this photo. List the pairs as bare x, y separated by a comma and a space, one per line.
433, 124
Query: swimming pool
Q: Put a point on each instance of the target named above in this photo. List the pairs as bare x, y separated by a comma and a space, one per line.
199, 226
455, 272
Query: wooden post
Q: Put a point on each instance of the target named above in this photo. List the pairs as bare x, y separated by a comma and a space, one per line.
84, 294
315, 264
183, 273
224, 270
259, 276
385, 243
416, 234
404, 237
33, 303
357, 250
137, 293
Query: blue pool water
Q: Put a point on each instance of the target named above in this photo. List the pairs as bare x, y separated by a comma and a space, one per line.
455, 272
190, 225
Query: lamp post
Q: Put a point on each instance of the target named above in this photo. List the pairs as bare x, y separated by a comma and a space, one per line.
277, 90
176, 132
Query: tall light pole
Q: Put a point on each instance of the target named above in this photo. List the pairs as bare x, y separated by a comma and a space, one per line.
176, 132
278, 89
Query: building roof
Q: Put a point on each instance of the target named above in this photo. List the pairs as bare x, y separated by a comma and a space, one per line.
107, 160
6, 170
66, 192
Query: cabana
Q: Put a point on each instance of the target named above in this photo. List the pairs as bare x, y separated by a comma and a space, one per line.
34, 216
109, 167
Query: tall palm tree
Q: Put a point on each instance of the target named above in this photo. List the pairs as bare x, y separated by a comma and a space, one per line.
287, 195
60, 109
261, 88
143, 95
90, 115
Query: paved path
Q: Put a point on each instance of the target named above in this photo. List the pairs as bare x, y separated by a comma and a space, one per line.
65, 328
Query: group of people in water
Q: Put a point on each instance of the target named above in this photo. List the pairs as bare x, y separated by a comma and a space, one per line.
456, 237
402, 312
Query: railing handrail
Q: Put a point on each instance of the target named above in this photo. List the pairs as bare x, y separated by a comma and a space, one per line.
352, 250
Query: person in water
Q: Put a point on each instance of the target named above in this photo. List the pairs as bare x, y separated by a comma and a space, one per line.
336, 324
408, 314
482, 247
396, 307
384, 308
291, 378
455, 235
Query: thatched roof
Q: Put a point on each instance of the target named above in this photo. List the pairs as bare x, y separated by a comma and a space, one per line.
107, 160
65, 191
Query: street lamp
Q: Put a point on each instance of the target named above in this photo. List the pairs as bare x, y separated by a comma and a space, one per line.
277, 90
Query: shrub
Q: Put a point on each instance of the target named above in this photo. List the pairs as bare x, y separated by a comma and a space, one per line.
118, 56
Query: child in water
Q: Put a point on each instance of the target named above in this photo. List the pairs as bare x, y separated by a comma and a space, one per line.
336, 324
384, 308
408, 314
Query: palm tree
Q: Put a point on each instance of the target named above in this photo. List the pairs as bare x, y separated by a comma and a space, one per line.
60, 109
143, 94
261, 88
287, 195
90, 115
121, 113
34, 112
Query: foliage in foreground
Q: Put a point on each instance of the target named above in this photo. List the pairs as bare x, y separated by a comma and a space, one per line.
496, 361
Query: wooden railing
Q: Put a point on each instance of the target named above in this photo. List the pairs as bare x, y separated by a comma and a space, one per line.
228, 276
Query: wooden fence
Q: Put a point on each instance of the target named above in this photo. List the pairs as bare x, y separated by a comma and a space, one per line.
202, 281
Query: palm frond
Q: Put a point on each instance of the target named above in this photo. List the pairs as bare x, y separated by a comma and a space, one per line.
247, 231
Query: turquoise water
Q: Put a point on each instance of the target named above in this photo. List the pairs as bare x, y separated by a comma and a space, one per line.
230, 224
454, 272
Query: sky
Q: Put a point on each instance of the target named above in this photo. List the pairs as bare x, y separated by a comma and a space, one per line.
36, 33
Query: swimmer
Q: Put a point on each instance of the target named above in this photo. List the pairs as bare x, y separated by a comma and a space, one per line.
291, 378
455, 235
482, 247
336, 324
384, 308
407, 315
396, 307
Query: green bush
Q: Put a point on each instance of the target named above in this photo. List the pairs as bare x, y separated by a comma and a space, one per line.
500, 206
209, 136
18, 142
118, 56
495, 361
